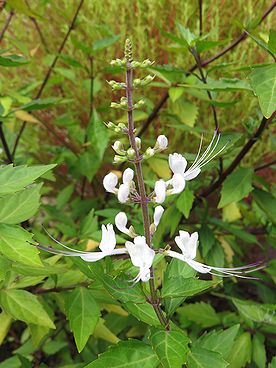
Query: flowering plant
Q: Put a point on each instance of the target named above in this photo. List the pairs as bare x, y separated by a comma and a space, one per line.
142, 251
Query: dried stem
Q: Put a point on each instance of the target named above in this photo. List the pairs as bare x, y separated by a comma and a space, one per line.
49, 72
200, 17
5, 144
239, 157
6, 25
142, 192
204, 63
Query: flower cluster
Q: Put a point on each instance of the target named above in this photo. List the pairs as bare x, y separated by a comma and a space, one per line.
140, 249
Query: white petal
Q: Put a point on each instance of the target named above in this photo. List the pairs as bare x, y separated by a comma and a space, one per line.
109, 182
162, 141
199, 267
93, 256
177, 163
178, 183
108, 241
191, 174
158, 212
123, 193
128, 175
160, 191
121, 221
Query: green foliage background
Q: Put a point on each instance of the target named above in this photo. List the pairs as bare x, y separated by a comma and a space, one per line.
61, 312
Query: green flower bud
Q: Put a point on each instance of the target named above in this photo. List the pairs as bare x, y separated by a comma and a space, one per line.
118, 148
146, 63
136, 64
131, 153
138, 142
119, 159
149, 153
139, 104
136, 83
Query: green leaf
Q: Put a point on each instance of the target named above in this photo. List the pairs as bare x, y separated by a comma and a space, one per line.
255, 312
258, 350
273, 363
185, 202
15, 244
267, 202
187, 35
223, 84
105, 42
12, 60
143, 312
272, 41
20, 206
219, 341
203, 358
127, 354
186, 111
236, 186
180, 286
13, 179
241, 351
171, 347
24, 306
175, 93
40, 104
5, 322
201, 313
83, 313
263, 82
21, 8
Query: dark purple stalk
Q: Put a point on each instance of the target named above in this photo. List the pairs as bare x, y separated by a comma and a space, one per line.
141, 188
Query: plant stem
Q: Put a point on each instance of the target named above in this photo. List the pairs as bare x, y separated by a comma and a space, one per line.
6, 25
204, 63
49, 72
5, 144
239, 157
142, 192
200, 17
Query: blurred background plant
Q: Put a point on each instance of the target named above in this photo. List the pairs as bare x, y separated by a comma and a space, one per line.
214, 67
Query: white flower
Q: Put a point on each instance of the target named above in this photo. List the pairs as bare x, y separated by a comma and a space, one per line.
188, 246
121, 222
128, 175
109, 182
123, 193
158, 212
141, 256
160, 191
177, 163
178, 184
138, 142
162, 141
107, 247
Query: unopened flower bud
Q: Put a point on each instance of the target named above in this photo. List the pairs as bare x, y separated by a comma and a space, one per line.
158, 212
136, 82
138, 142
131, 153
110, 125
160, 191
123, 102
109, 182
149, 153
146, 63
161, 142
123, 193
135, 64
128, 175
139, 104
119, 159
115, 105
118, 147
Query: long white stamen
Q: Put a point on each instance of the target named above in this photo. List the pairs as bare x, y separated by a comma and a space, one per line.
230, 275
202, 162
206, 162
199, 150
195, 164
63, 245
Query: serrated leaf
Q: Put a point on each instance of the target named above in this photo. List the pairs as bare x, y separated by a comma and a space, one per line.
171, 347
24, 306
126, 354
40, 103
143, 312
203, 358
222, 84
20, 206
263, 82
219, 341
175, 93
104, 43
241, 351
185, 202
15, 245
201, 313
272, 41
13, 179
255, 312
83, 313
179, 286
267, 202
236, 186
